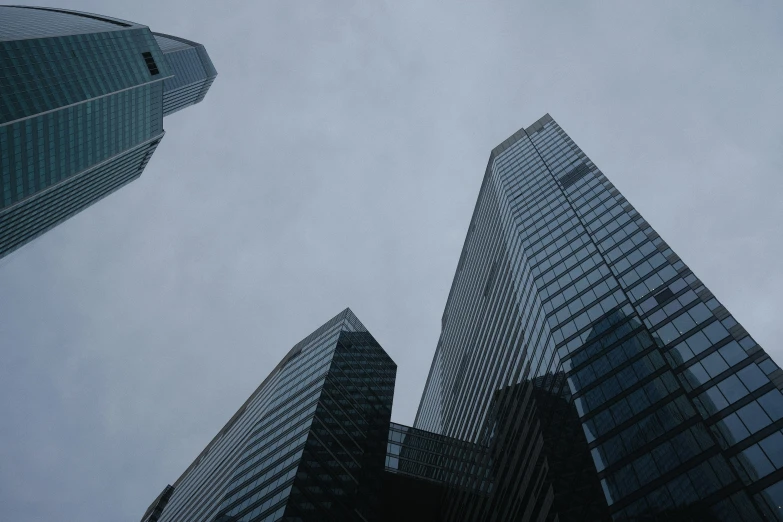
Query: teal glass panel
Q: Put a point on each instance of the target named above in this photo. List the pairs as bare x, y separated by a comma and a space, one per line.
41, 151
39, 75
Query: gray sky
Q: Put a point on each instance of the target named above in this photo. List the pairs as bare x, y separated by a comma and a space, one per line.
335, 162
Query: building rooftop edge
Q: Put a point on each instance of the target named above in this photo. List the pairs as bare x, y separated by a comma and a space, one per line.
340, 317
108, 19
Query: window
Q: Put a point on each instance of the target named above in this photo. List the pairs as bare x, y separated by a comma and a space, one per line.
772, 403
733, 429
574, 175
732, 353
714, 364
729, 322
150, 61
752, 377
754, 417
713, 401
732, 389
715, 332
768, 366
756, 462
664, 295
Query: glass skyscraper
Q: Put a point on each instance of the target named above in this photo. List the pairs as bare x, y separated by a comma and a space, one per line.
569, 311
583, 373
82, 101
309, 443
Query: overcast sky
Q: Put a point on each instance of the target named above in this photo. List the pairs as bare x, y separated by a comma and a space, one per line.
335, 162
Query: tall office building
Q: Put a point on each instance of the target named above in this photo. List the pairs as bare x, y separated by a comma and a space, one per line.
583, 374
309, 443
82, 101
570, 312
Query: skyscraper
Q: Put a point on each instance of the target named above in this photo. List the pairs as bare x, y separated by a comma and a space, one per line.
309, 443
583, 373
564, 292
82, 101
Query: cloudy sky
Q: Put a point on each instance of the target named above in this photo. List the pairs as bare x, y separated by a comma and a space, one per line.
335, 162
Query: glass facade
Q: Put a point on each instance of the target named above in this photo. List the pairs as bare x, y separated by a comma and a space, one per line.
192, 69
583, 373
33, 216
80, 96
613, 349
429, 456
309, 444
23, 22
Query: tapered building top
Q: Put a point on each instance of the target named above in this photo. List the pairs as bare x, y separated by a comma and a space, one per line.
82, 101
308, 444
192, 69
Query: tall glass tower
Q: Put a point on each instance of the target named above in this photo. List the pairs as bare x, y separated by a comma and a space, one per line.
583, 374
82, 101
572, 329
308, 445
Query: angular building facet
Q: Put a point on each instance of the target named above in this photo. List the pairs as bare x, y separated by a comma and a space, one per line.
309, 443
609, 346
82, 101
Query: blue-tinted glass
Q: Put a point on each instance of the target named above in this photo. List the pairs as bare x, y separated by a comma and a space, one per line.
678, 285
603, 421
660, 498
611, 387
715, 332
668, 333
645, 469
648, 304
732, 388
657, 317
627, 377
687, 297
700, 313
722, 470
600, 462
753, 417
683, 323
684, 351
672, 307
729, 322
666, 273
747, 343
767, 366
638, 401
714, 364
732, 353
734, 430
756, 462
621, 411
753, 377
774, 499
698, 342
589, 430
696, 374
682, 490
773, 447
713, 400
685, 446
772, 402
